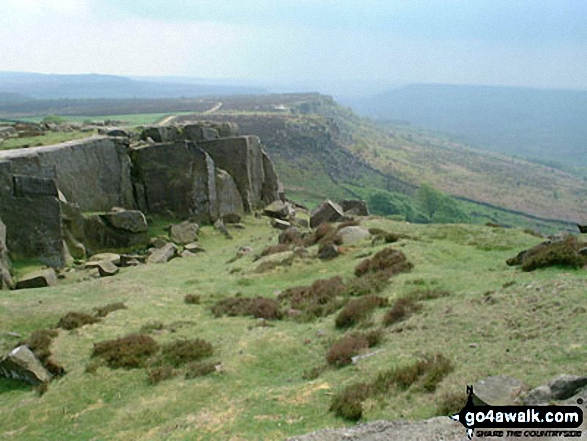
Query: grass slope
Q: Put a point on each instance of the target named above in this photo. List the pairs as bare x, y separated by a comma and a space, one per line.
527, 325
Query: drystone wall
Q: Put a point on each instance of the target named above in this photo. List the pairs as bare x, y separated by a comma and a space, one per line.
56, 200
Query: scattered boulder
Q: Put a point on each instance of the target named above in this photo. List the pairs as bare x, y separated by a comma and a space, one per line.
560, 388
353, 234
355, 207
186, 253
499, 390
106, 268
328, 252
113, 258
280, 224
277, 210
194, 247
38, 279
157, 242
185, 232
327, 211
131, 260
219, 226
21, 364
164, 254
129, 220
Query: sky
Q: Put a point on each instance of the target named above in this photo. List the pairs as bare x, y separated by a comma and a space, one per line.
321, 44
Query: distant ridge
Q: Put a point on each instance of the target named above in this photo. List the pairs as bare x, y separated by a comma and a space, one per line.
546, 124
92, 86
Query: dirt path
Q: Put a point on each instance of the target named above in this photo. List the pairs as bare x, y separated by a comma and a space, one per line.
166, 120
214, 109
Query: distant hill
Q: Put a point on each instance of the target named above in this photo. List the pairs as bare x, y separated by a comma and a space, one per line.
51, 86
549, 125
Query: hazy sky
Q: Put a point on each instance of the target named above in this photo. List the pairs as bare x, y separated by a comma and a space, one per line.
316, 42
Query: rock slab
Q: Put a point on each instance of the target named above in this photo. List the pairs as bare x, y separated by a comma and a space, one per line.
21, 364
38, 279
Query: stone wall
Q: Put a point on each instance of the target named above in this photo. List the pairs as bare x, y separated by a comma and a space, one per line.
47, 194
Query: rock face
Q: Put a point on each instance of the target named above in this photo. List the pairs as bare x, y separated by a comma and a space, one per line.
38, 279
57, 201
5, 278
327, 211
176, 177
21, 364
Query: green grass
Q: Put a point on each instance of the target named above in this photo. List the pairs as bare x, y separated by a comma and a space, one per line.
132, 119
261, 393
49, 138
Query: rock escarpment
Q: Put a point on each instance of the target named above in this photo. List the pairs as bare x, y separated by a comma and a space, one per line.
58, 201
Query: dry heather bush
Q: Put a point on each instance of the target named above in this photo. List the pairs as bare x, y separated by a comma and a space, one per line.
132, 351
382, 235
402, 309
343, 350
348, 403
161, 373
274, 249
259, 307
371, 283
358, 310
103, 311
389, 260
563, 253
373, 337
428, 294
320, 292
291, 236
73, 320
324, 234
181, 352
426, 374
450, 403
200, 369
39, 343
192, 299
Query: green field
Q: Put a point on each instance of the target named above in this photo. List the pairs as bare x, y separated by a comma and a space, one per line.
495, 320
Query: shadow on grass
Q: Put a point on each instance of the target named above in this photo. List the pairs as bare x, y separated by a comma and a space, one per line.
9, 385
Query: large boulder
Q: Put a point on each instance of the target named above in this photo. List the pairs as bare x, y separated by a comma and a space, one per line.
163, 255
200, 132
499, 390
560, 388
184, 233
5, 278
133, 221
113, 258
278, 209
327, 211
355, 207
353, 234
99, 235
161, 133
38, 279
21, 364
